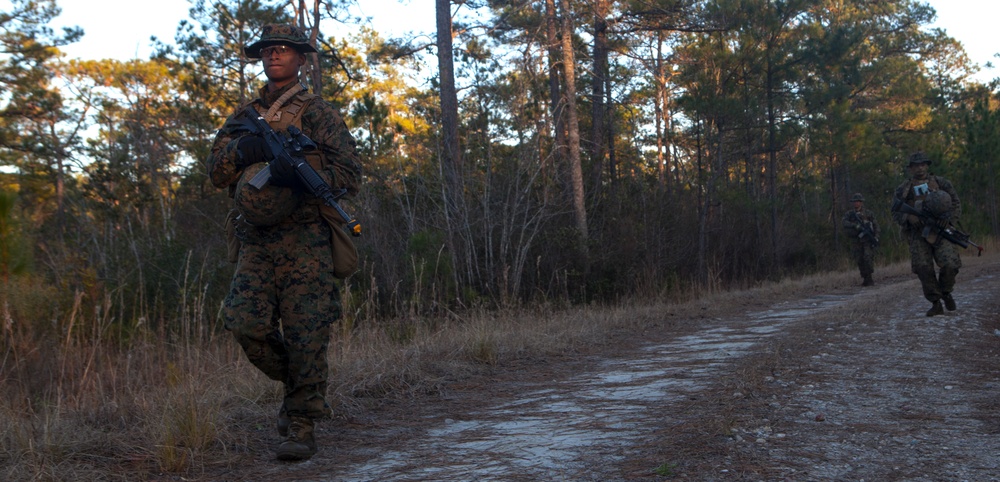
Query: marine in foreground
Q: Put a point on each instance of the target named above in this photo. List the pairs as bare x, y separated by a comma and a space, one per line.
927, 206
288, 245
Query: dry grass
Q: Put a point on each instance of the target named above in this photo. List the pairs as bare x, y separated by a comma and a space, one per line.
79, 406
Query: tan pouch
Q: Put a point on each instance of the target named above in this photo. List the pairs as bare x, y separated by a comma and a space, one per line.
345, 254
232, 242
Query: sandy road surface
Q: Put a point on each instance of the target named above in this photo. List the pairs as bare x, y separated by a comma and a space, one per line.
853, 385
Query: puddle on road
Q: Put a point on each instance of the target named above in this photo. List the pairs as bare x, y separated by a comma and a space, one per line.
566, 430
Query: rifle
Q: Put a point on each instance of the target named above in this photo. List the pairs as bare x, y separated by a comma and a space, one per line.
949, 233
867, 231
292, 149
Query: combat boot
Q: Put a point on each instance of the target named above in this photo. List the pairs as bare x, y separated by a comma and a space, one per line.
283, 421
936, 309
300, 444
949, 302
868, 281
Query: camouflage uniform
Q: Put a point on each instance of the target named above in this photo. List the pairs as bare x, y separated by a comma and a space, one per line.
926, 248
284, 297
862, 248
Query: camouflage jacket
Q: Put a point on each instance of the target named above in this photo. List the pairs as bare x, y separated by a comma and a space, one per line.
852, 219
913, 191
320, 121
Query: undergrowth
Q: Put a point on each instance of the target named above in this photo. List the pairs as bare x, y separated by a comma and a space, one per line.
82, 402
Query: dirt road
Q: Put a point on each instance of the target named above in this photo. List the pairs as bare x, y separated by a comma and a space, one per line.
852, 385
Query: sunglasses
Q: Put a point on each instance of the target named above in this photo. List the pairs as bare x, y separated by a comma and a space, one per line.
281, 50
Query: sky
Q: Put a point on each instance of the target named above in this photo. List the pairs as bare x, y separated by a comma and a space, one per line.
972, 22
107, 36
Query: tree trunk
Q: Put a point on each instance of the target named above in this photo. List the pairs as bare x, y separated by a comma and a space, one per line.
658, 104
451, 160
315, 69
598, 109
772, 158
701, 266
573, 129
559, 151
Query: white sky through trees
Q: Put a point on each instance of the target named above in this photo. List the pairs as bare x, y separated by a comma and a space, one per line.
110, 35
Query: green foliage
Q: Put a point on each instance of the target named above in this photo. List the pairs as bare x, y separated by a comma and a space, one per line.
431, 271
33, 305
666, 469
27, 66
15, 251
975, 168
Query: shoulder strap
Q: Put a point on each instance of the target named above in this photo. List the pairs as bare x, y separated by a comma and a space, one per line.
290, 111
282, 104
272, 112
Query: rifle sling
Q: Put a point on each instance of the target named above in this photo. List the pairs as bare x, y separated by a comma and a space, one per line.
278, 104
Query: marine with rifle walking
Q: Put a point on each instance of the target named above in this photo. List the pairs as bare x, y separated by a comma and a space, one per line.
286, 239
927, 207
862, 231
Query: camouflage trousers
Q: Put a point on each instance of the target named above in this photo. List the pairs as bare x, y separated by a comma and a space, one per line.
280, 308
924, 255
864, 255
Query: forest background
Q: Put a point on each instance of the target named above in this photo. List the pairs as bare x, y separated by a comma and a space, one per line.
565, 153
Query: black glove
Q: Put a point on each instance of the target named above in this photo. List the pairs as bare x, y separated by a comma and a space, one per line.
283, 173
252, 149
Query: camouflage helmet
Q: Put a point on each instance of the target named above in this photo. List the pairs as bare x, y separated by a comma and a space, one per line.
857, 197
267, 206
937, 203
919, 158
276, 34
